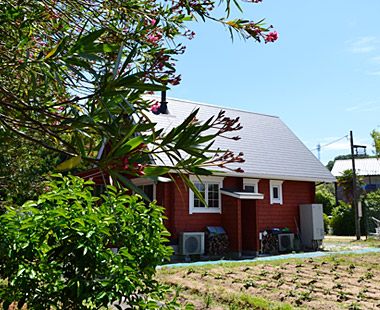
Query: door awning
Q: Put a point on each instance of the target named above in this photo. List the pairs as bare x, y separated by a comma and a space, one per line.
241, 193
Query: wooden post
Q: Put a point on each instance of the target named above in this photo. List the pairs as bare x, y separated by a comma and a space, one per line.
355, 205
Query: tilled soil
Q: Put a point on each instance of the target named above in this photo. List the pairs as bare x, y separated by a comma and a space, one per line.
336, 282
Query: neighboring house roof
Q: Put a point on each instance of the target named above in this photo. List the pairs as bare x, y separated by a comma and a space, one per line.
363, 166
271, 150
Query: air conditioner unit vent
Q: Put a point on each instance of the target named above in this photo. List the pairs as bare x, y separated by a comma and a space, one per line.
285, 242
191, 243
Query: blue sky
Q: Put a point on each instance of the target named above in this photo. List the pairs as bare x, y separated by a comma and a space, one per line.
322, 76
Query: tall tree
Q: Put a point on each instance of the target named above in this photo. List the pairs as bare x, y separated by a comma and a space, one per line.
346, 182
72, 74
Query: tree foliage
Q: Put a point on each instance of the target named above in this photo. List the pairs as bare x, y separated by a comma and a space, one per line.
72, 75
376, 141
346, 182
331, 163
372, 204
72, 79
324, 195
343, 220
56, 251
22, 169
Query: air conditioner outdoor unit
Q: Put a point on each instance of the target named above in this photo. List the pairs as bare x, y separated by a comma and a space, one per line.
191, 243
285, 242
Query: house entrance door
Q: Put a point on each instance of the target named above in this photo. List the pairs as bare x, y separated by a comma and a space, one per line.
249, 226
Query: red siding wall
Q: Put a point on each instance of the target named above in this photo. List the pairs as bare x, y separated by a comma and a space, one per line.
242, 220
281, 216
181, 220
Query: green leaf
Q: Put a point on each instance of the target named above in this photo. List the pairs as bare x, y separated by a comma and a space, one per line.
97, 48
128, 184
89, 39
146, 86
155, 171
194, 189
20, 272
69, 164
117, 63
178, 129
200, 171
129, 58
80, 221
56, 49
129, 146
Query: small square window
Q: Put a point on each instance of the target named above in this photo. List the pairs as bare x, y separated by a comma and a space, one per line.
250, 188
276, 192
251, 185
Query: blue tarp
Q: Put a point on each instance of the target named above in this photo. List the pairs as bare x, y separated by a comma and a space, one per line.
216, 230
269, 258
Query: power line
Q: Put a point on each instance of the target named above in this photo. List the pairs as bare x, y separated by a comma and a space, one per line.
319, 147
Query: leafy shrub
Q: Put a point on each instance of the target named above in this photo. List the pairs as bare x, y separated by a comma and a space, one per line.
343, 220
372, 203
325, 196
56, 252
326, 223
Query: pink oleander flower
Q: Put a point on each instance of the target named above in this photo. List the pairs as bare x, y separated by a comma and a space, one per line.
271, 37
155, 107
152, 39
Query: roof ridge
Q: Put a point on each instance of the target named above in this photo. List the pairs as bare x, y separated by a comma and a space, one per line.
217, 106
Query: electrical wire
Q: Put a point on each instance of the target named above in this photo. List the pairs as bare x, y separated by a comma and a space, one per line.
322, 146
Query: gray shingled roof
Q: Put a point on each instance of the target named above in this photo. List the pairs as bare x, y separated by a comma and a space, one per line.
270, 148
363, 166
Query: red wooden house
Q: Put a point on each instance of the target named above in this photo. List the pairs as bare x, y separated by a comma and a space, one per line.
280, 173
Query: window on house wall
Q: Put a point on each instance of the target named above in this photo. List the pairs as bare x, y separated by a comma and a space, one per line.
251, 185
276, 192
209, 188
147, 186
148, 190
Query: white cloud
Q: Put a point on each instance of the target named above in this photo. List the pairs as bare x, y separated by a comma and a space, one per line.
362, 107
363, 45
361, 49
374, 73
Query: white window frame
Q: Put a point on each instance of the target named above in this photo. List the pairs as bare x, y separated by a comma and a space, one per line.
278, 184
205, 181
251, 182
143, 182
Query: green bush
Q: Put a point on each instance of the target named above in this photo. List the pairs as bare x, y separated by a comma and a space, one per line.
56, 252
325, 196
343, 220
372, 203
326, 223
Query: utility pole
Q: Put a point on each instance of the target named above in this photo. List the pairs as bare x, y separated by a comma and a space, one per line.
319, 151
355, 204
